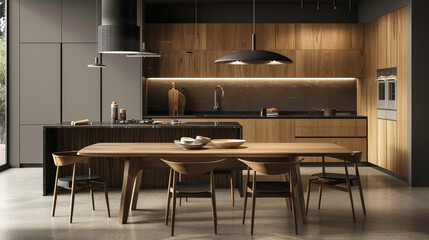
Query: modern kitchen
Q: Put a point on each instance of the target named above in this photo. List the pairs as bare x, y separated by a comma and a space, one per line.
119, 117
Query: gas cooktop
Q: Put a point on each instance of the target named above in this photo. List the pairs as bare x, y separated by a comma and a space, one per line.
137, 121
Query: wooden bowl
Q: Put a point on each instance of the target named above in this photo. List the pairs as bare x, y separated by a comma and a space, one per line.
228, 143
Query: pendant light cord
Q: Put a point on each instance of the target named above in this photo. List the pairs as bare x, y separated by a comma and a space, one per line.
254, 14
196, 18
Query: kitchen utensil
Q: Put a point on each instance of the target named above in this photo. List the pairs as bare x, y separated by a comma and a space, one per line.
176, 101
80, 122
329, 112
228, 143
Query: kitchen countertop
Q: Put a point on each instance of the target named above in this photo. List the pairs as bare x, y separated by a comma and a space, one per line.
255, 115
165, 125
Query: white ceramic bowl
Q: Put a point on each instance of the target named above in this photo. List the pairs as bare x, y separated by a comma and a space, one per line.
187, 140
204, 140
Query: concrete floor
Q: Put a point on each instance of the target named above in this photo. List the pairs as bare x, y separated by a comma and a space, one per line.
394, 211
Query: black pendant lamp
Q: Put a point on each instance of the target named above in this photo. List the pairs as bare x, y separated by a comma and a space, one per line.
254, 56
119, 32
96, 64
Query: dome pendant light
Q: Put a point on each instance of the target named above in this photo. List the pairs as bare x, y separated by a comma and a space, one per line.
254, 56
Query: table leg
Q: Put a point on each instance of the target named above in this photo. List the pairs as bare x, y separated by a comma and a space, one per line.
299, 196
136, 190
130, 172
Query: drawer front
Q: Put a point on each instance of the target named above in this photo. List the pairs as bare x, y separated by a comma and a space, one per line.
330, 128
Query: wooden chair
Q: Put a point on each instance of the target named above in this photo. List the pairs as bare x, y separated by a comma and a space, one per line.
270, 189
231, 183
190, 189
73, 183
331, 180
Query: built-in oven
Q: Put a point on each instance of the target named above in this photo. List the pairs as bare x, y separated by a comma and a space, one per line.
387, 93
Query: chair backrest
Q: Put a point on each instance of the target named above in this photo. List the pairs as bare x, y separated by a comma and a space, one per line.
355, 157
192, 168
274, 167
67, 158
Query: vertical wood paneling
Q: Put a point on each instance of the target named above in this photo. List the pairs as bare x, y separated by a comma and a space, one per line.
385, 41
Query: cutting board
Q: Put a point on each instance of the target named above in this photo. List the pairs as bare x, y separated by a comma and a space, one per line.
176, 102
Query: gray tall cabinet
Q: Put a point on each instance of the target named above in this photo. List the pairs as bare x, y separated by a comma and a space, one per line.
55, 43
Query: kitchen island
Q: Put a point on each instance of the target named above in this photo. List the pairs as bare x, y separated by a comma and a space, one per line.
64, 137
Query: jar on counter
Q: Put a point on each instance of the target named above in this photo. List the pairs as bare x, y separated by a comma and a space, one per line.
114, 112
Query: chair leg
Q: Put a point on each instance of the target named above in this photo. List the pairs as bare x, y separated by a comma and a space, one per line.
106, 196
167, 209
360, 189
72, 193
173, 208
213, 198
253, 202
91, 192
349, 190
308, 196
320, 197
54, 202
286, 178
180, 199
231, 180
245, 195
294, 215
293, 205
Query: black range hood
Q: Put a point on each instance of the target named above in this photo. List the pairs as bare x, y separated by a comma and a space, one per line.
119, 32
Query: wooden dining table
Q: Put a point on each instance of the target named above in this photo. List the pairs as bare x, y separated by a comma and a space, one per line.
152, 152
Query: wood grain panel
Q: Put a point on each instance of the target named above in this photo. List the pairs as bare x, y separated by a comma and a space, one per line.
385, 41
329, 63
382, 143
330, 128
354, 144
402, 100
266, 36
229, 36
324, 50
285, 36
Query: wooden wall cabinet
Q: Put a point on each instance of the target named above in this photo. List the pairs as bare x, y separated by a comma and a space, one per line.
386, 46
318, 50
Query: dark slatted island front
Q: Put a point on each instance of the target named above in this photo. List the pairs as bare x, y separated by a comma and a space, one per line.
63, 137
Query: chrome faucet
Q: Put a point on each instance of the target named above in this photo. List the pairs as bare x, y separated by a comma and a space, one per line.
216, 102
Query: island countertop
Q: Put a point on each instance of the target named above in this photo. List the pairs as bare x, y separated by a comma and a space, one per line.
165, 124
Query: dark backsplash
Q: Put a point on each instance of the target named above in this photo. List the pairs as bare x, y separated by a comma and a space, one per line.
252, 94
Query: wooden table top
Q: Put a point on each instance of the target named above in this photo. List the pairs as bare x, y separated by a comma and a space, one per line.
246, 150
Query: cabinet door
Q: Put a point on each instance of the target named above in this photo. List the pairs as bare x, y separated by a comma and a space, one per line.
40, 20
31, 144
81, 85
40, 83
122, 82
79, 20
